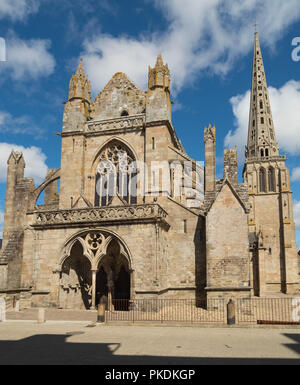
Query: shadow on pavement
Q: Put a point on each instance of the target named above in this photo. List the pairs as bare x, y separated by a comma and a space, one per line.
295, 347
56, 350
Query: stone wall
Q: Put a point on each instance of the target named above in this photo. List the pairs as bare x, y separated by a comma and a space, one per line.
227, 244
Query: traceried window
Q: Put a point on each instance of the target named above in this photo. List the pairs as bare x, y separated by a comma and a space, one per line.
271, 179
262, 180
116, 175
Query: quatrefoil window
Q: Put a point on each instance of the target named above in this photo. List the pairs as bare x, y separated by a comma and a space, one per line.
94, 240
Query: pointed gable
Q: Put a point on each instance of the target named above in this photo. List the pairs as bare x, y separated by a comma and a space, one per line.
228, 197
120, 96
82, 203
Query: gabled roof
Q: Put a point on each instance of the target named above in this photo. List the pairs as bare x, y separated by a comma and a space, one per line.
119, 93
236, 191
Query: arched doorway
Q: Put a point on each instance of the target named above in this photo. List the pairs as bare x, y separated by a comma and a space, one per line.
101, 286
75, 284
95, 265
122, 285
113, 278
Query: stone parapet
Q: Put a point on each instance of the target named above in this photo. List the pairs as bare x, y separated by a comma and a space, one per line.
136, 213
131, 122
265, 159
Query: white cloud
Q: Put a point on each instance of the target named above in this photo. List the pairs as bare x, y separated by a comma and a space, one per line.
296, 174
285, 104
34, 157
20, 125
200, 35
28, 59
17, 10
297, 214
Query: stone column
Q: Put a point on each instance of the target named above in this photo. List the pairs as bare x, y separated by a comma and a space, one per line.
132, 289
57, 282
262, 253
210, 159
94, 277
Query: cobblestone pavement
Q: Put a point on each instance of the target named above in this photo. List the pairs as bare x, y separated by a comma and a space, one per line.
80, 343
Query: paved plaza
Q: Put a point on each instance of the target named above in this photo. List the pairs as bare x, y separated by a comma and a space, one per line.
83, 343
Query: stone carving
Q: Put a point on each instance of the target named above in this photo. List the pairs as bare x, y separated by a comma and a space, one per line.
210, 133
131, 122
136, 212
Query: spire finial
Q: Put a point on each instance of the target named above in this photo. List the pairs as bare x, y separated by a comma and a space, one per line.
79, 87
159, 76
255, 25
159, 61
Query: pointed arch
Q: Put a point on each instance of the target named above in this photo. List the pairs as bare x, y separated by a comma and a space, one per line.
115, 174
271, 179
68, 250
97, 153
94, 258
262, 180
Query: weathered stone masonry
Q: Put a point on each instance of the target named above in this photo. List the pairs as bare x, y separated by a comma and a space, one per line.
205, 238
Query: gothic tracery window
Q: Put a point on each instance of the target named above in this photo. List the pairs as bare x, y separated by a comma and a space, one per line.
116, 175
262, 180
271, 179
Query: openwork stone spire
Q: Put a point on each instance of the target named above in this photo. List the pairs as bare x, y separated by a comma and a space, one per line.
80, 87
261, 134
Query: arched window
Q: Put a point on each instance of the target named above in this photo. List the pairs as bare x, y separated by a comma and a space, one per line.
124, 113
271, 179
262, 153
262, 180
267, 152
116, 175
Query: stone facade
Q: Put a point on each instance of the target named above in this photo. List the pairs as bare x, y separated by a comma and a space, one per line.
130, 215
271, 222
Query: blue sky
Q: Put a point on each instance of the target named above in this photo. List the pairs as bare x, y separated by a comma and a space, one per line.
208, 45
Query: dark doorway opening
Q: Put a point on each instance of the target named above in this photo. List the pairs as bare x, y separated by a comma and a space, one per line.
101, 286
122, 290
256, 277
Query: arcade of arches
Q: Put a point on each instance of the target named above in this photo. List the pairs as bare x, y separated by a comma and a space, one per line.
95, 267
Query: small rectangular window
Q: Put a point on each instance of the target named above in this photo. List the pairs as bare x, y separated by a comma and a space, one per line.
185, 226
153, 143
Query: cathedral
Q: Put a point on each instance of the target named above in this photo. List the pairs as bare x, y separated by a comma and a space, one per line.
129, 215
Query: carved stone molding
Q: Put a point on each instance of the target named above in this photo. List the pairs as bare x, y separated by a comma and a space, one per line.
147, 212
130, 122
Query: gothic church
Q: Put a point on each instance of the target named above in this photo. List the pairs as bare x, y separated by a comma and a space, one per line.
110, 226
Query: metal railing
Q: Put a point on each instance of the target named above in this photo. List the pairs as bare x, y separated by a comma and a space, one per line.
168, 310
268, 311
273, 311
